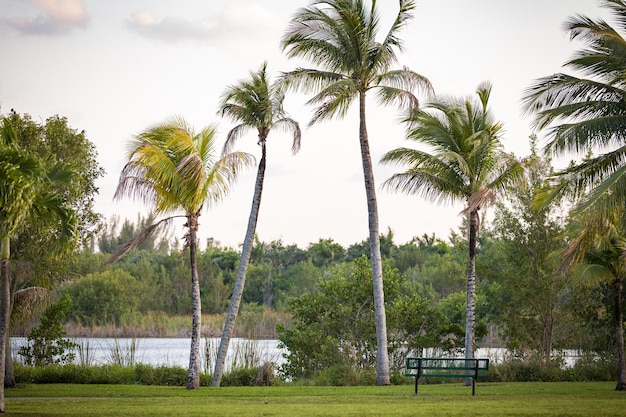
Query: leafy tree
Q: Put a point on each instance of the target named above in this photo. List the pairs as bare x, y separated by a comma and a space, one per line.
53, 142
254, 104
596, 253
326, 252
46, 344
465, 162
56, 141
334, 326
109, 297
174, 168
535, 295
30, 190
588, 112
340, 37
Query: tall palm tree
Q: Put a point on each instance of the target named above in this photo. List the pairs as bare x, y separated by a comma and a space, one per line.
254, 103
464, 162
597, 254
588, 112
28, 187
175, 169
340, 38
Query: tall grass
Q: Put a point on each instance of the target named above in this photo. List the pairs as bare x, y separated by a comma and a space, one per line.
253, 322
210, 354
123, 354
84, 355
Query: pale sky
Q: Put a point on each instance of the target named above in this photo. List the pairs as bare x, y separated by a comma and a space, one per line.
114, 68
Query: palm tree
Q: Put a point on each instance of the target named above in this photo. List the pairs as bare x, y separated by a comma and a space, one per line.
597, 254
340, 38
465, 162
253, 104
28, 187
175, 169
588, 112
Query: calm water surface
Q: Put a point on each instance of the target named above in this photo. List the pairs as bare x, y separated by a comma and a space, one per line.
166, 351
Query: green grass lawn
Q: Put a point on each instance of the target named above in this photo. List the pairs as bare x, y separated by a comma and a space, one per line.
593, 399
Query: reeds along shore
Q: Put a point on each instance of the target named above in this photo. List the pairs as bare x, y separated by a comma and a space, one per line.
257, 324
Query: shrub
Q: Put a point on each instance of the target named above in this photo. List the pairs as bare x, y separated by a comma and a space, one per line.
46, 345
241, 377
344, 375
162, 375
594, 368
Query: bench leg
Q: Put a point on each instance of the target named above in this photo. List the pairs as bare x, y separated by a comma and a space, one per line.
416, 382
473, 386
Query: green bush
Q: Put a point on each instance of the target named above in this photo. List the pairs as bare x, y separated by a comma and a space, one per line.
74, 374
345, 375
592, 368
46, 345
589, 368
106, 297
527, 371
162, 375
242, 377
139, 374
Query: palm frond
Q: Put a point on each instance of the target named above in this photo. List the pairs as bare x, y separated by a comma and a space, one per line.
400, 86
334, 100
139, 239
484, 197
289, 125
27, 302
426, 185
592, 274
233, 136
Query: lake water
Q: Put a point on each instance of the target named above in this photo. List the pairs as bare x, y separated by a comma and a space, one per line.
166, 351
175, 352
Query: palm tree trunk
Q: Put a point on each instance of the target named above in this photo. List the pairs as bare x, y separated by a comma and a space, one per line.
470, 306
619, 334
246, 251
193, 376
9, 370
382, 355
5, 299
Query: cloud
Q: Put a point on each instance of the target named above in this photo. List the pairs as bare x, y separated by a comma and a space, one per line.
59, 17
251, 23
169, 29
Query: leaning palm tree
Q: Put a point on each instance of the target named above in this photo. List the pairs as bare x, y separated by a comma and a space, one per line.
340, 38
175, 169
588, 112
28, 187
597, 254
464, 162
254, 103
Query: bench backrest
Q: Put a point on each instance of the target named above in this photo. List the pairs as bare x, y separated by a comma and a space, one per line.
447, 364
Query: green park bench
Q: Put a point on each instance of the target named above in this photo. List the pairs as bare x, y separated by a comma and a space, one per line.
446, 368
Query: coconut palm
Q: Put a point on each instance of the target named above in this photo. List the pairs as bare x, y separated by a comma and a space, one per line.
340, 37
588, 112
29, 187
253, 103
597, 254
464, 162
175, 169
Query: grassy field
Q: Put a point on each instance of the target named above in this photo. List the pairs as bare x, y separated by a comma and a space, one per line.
596, 399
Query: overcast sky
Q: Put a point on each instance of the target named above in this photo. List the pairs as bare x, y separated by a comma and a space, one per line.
114, 68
